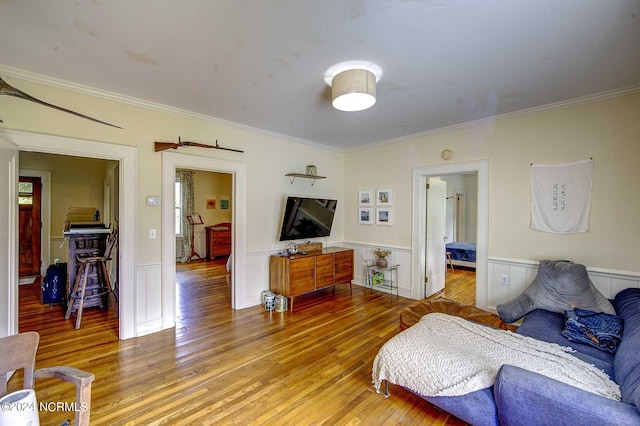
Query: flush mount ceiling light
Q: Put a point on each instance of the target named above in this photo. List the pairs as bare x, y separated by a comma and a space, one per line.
353, 85
353, 90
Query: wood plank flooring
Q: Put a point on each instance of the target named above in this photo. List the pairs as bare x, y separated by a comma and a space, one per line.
236, 367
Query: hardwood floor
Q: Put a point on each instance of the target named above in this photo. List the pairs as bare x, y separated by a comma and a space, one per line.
460, 285
224, 366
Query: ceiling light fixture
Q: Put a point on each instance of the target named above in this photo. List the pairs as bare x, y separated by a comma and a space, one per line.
353, 90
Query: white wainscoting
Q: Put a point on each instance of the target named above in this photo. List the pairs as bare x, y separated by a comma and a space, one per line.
399, 256
148, 301
520, 273
258, 268
257, 276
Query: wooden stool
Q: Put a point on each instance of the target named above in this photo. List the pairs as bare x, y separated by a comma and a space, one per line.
78, 292
449, 260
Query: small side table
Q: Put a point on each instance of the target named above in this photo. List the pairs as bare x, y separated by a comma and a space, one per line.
382, 278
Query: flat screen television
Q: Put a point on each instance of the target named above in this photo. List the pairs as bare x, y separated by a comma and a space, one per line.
307, 218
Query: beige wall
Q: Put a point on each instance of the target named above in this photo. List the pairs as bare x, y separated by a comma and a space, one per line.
267, 156
75, 182
208, 185
606, 130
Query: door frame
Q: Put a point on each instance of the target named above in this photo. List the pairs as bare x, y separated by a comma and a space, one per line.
418, 243
170, 162
127, 156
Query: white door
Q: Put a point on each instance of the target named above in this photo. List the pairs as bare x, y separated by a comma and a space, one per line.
8, 238
436, 233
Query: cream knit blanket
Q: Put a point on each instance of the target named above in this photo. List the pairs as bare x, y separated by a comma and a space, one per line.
444, 355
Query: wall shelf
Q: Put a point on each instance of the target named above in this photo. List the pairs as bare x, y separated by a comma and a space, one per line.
293, 176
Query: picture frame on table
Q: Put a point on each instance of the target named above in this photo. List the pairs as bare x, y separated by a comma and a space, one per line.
384, 216
365, 197
365, 215
384, 197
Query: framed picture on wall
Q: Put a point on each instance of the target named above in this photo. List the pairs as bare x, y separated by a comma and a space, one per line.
365, 215
384, 197
224, 202
384, 216
365, 197
211, 203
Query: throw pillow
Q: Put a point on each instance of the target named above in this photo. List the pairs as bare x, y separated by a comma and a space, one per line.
598, 329
559, 285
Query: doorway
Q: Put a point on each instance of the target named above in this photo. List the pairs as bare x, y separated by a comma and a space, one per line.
170, 163
460, 241
75, 182
29, 226
203, 228
126, 156
419, 247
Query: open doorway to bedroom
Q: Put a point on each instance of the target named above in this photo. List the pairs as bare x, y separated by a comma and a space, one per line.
461, 236
424, 284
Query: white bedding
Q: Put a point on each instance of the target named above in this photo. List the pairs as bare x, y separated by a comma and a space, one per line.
444, 355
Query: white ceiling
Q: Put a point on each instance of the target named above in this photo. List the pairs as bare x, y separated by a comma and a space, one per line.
261, 63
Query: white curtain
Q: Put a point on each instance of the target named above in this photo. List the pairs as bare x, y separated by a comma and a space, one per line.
561, 196
186, 186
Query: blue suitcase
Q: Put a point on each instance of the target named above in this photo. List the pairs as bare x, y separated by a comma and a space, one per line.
54, 284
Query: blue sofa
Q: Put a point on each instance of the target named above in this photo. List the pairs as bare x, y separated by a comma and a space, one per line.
521, 397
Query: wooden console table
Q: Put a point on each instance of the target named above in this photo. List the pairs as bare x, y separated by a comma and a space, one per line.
299, 274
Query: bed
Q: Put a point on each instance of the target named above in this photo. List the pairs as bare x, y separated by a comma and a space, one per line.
462, 254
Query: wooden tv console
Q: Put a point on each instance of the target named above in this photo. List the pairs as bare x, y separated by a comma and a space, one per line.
300, 274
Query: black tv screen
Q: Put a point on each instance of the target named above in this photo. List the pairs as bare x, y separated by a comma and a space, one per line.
307, 218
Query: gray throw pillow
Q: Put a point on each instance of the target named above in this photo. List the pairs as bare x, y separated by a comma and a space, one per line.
560, 285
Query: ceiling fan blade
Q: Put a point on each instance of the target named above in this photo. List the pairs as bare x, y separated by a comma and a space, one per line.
7, 89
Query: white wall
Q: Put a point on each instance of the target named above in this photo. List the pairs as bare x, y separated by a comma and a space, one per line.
268, 157
606, 130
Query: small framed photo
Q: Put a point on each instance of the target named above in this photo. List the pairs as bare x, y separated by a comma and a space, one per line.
365, 216
365, 197
384, 216
211, 203
384, 197
224, 202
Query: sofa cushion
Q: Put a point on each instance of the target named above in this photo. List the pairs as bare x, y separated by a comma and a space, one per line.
548, 326
558, 286
626, 363
526, 398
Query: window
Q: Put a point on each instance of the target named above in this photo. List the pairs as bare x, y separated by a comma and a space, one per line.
25, 195
178, 207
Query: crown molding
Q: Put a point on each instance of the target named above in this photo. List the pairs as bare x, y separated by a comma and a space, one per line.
91, 91
141, 103
629, 90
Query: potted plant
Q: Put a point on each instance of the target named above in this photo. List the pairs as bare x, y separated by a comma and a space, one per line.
381, 257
